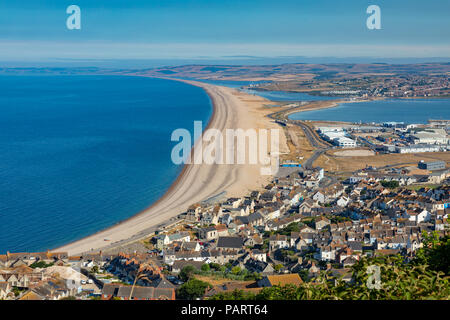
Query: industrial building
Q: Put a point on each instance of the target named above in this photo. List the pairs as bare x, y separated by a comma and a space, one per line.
432, 165
338, 136
419, 148
431, 136
345, 142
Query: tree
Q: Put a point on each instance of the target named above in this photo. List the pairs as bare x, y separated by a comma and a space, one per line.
277, 267
236, 270
399, 281
435, 253
206, 267
40, 264
193, 289
390, 184
292, 227
187, 272
304, 274
215, 266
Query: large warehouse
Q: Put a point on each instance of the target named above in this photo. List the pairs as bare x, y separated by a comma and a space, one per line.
432, 165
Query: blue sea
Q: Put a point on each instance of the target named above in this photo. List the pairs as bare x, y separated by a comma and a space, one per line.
399, 110
81, 153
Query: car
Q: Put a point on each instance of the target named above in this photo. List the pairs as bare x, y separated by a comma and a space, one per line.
174, 280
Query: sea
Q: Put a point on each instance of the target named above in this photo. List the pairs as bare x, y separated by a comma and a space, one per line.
379, 111
79, 153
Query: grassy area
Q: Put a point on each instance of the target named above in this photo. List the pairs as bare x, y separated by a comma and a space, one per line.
420, 186
350, 164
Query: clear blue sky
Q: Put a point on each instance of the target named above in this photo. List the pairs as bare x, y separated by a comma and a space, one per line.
141, 29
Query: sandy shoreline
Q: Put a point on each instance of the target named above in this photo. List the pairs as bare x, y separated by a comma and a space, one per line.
197, 182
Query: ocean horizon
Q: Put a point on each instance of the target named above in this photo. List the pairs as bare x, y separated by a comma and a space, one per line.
79, 154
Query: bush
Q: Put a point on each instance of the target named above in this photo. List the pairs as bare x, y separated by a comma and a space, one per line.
215, 266
277, 267
435, 253
292, 227
40, 264
192, 289
399, 281
187, 272
236, 270
205, 268
390, 184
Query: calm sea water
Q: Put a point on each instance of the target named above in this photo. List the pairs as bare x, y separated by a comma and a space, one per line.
401, 110
81, 153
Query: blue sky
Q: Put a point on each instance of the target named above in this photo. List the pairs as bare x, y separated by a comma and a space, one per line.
138, 29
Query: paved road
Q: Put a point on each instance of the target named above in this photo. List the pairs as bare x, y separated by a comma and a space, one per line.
315, 141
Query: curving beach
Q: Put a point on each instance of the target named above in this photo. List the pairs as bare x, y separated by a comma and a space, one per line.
197, 182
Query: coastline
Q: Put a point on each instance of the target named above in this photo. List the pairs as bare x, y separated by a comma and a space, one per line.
195, 183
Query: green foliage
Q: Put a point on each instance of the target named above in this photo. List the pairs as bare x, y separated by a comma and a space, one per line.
16, 291
68, 298
277, 267
310, 222
336, 219
285, 254
400, 281
192, 289
206, 267
292, 227
390, 184
187, 272
236, 270
435, 253
40, 264
215, 266
304, 274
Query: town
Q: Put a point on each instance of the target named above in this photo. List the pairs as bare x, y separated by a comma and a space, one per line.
300, 225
